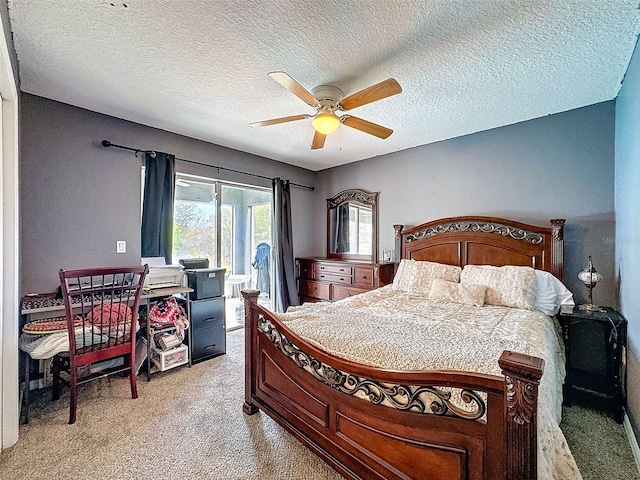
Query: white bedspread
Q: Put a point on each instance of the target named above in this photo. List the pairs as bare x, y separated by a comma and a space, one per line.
391, 329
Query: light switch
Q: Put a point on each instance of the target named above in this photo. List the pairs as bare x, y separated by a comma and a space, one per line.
121, 246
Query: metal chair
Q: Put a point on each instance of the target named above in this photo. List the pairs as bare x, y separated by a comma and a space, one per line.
101, 306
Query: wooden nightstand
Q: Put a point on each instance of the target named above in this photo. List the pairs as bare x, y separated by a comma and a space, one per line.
595, 346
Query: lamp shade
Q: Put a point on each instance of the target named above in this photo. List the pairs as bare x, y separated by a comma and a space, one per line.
325, 122
589, 276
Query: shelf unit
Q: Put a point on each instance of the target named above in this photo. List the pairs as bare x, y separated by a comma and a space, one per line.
149, 332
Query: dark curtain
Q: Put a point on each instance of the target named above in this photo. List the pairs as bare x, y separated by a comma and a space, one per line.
342, 227
157, 205
285, 291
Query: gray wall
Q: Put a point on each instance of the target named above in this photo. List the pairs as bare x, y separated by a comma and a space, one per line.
559, 166
78, 198
627, 203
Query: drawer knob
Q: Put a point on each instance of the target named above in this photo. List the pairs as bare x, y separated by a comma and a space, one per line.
210, 346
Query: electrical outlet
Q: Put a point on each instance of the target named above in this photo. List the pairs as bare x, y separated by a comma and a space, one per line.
121, 246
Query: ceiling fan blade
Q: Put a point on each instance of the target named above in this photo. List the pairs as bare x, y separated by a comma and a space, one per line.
365, 126
274, 121
371, 94
318, 140
290, 84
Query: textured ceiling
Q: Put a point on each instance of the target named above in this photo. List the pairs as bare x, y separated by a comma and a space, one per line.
199, 67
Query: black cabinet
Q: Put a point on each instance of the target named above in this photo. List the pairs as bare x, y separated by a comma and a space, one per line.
207, 333
595, 348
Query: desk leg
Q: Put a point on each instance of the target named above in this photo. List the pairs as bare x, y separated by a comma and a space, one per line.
26, 387
147, 333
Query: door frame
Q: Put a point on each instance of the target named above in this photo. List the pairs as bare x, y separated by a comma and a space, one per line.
9, 238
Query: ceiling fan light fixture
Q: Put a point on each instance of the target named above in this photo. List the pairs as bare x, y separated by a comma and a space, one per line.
325, 122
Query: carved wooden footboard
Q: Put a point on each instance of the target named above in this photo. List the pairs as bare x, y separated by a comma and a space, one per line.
374, 423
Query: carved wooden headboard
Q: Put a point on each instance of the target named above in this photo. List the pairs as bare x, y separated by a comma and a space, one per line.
484, 241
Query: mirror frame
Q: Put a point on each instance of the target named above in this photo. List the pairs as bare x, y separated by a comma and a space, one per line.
363, 197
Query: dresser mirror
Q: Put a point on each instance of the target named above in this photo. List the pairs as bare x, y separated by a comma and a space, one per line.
352, 225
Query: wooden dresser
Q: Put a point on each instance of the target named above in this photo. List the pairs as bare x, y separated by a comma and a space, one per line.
326, 279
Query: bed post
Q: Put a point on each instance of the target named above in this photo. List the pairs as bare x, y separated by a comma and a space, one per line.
522, 377
250, 347
557, 247
398, 243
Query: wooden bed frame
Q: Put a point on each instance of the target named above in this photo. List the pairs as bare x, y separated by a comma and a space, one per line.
312, 394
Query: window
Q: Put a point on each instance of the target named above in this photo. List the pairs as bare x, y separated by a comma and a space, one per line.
195, 223
219, 221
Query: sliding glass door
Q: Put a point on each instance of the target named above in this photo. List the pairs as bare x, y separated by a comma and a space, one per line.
231, 226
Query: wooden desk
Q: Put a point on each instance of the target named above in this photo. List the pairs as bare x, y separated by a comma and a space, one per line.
35, 308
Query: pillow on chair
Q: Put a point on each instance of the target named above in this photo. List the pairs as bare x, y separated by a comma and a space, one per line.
110, 314
111, 318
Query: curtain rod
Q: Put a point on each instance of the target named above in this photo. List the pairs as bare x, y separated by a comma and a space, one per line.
107, 143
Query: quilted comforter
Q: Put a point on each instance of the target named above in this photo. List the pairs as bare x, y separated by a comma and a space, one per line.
392, 329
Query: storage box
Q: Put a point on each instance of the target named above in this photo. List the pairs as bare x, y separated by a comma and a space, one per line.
168, 359
206, 282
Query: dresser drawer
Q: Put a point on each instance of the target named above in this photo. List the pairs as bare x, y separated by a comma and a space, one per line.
332, 269
207, 313
305, 268
364, 277
309, 288
342, 291
334, 278
208, 342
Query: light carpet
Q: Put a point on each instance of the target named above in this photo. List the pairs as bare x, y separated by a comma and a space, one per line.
188, 423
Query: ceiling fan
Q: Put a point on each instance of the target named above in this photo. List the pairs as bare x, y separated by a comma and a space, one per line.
327, 100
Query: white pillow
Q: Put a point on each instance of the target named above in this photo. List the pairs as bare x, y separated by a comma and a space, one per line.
415, 277
551, 294
508, 286
452, 292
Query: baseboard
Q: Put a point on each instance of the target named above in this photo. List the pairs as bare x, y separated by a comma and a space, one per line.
633, 442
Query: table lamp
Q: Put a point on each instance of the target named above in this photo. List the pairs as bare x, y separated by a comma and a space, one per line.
590, 277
